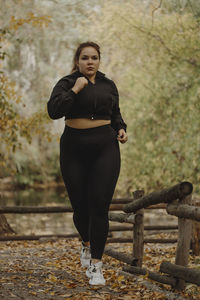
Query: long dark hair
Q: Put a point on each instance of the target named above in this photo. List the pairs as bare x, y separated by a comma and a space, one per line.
78, 52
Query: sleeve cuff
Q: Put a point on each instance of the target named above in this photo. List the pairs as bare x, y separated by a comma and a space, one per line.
72, 93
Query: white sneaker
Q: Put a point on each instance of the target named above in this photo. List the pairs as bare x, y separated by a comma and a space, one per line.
94, 272
85, 256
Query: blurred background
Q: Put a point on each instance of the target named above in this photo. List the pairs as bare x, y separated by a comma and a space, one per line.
150, 48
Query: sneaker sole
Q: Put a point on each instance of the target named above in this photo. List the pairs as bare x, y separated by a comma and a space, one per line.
97, 283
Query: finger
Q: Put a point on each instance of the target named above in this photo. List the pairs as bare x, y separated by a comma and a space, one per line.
123, 140
121, 135
120, 139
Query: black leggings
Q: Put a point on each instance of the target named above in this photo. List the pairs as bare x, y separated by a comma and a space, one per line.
90, 165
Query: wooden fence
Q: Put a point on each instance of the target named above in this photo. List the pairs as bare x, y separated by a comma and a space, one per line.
116, 205
179, 203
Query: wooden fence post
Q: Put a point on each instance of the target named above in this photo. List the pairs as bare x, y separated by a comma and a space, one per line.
138, 231
184, 240
195, 245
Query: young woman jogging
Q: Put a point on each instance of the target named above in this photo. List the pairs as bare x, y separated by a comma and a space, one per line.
89, 150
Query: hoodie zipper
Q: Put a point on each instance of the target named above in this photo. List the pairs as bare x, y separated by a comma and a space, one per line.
94, 95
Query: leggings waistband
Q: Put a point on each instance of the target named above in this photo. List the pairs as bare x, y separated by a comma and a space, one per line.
97, 129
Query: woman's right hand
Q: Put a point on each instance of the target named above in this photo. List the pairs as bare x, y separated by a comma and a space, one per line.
80, 83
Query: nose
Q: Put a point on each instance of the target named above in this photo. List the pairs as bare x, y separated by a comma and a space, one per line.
90, 60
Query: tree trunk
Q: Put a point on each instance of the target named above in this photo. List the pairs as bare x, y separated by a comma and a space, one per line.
4, 226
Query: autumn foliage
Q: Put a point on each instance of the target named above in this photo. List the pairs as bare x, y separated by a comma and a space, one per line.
14, 124
149, 48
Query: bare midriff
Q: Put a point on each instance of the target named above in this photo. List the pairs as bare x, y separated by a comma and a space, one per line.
83, 123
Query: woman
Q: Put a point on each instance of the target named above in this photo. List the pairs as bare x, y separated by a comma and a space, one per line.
89, 150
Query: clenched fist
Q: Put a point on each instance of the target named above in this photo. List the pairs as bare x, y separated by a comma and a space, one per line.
80, 83
122, 136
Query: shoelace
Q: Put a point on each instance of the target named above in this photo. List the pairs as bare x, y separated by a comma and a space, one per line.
94, 270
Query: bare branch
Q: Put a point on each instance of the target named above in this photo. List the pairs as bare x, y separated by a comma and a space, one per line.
192, 9
153, 11
191, 61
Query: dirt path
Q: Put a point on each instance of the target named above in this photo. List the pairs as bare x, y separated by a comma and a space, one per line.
51, 270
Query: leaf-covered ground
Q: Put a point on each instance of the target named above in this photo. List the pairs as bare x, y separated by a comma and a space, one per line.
51, 270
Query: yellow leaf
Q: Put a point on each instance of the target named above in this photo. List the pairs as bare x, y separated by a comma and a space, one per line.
52, 278
33, 293
146, 275
120, 278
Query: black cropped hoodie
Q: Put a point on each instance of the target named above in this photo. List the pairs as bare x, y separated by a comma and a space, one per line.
98, 101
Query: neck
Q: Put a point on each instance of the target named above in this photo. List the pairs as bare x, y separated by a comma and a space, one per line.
92, 78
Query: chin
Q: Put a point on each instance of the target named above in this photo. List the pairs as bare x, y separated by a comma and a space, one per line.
90, 73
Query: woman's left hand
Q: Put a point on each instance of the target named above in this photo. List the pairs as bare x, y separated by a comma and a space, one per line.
122, 136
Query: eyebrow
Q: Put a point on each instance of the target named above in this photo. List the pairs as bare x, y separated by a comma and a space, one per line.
85, 55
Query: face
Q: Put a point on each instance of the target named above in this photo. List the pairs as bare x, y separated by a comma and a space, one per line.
88, 62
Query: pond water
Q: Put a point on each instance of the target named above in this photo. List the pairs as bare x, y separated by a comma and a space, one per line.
59, 223
28, 224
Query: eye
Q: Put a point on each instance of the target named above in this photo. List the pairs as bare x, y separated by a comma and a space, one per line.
95, 57
84, 57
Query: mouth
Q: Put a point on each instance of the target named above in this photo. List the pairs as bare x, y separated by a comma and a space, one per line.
90, 68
